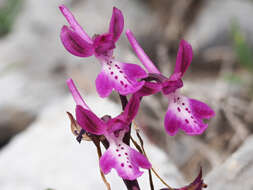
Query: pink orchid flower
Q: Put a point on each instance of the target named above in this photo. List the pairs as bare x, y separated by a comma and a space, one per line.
123, 77
124, 159
183, 113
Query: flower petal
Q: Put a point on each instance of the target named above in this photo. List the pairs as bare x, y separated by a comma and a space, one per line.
76, 95
186, 114
103, 84
115, 75
149, 88
116, 24
75, 44
184, 57
125, 160
89, 121
201, 109
74, 24
145, 60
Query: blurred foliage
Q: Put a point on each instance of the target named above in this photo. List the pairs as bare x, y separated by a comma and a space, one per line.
8, 13
242, 48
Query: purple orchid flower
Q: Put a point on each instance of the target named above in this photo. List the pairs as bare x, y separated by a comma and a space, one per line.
183, 112
123, 77
124, 159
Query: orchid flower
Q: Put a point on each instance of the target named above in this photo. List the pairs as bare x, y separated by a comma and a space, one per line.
183, 113
124, 159
123, 77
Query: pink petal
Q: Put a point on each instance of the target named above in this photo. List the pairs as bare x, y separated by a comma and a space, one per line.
74, 24
114, 75
201, 109
89, 121
171, 86
76, 95
184, 57
149, 88
116, 24
145, 60
125, 160
133, 71
131, 109
103, 84
183, 113
75, 44
103, 44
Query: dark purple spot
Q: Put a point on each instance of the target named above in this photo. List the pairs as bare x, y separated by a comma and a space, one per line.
116, 77
121, 82
116, 65
178, 98
117, 150
127, 161
130, 166
186, 109
122, 148
195, 121
126, 154
127, 158
110, 68
111, 73
110, 61
183, 103
121, 71
119, 144
122, 164
192, 117
186, 120
178, 109
125, 85
125, 77
119, 155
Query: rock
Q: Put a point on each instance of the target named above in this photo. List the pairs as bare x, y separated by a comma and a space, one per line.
46, 155
236, 172
213, 25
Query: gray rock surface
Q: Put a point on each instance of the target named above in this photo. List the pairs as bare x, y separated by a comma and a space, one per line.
47, 155
236, 173
213, 25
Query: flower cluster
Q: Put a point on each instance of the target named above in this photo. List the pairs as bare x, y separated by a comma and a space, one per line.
128, 79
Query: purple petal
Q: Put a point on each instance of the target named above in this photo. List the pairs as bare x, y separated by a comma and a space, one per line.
89, 121
75, 44
133, 71
171, 86
125, 160
145, 60
184, 57
149, 88
115, 75
103, 44
103, 84
201, 110
139, 159
183, 113
116, 24
131, 109
76, 95
74, 24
